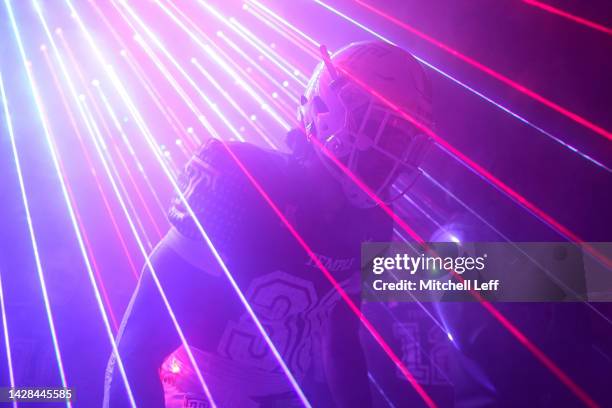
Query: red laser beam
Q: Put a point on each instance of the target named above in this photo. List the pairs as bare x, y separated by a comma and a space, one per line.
539, 354
315, 259
550, 365
495, 313
560, 228
479, 169
517, 197
489, 71
513, 330
572, 17
520, 337
354, 308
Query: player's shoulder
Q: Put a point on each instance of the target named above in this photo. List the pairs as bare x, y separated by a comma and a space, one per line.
218, 181
228, 170
237, 158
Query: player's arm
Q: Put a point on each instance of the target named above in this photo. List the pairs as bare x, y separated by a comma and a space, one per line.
146, 337
344, 360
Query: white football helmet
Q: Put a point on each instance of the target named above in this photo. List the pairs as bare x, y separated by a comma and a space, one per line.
370, 138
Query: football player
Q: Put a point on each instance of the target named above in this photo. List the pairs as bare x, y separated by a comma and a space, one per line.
310, 325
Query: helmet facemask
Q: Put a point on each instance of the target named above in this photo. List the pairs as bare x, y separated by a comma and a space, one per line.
373, 142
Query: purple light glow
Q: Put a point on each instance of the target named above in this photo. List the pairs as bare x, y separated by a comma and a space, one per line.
143, 85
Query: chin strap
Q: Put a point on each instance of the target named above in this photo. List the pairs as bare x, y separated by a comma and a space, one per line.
416, 174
